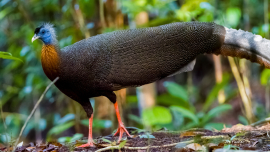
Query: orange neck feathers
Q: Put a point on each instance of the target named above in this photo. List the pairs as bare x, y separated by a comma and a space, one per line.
50, 61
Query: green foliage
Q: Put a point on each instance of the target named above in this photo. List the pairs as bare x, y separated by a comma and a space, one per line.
265, 77
177, 91
215, 112
214, 92
203, 120
230, 146
156, 115
167, 100
135, 119
183, 112
233, 15
122, 144
106, 140
197, 119
190, 10
132, 99
134, 7
243, 120
6, 55
186, 113
32, 124
75, 137
213, 125
56, 130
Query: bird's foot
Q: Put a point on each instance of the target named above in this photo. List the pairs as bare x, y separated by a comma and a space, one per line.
121, 129
88, 144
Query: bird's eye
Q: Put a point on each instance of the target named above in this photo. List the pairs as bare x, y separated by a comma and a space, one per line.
43, 32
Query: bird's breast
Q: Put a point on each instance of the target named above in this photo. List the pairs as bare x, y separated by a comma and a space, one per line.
50, 61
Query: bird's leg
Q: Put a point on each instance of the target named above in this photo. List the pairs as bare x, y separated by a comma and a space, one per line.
121, 128
89, 111
90, 139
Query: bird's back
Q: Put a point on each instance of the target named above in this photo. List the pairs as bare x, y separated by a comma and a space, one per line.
138, 56
145, 55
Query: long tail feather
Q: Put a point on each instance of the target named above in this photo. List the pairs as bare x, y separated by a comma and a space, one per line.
242, 44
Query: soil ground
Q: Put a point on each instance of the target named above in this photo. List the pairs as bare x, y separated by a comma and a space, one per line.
238, 137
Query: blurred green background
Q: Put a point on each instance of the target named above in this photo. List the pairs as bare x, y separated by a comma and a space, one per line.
217, 93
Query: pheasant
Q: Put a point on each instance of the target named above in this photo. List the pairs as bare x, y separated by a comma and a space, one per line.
99, 65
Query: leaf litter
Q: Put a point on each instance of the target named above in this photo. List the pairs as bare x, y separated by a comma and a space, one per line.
238, 137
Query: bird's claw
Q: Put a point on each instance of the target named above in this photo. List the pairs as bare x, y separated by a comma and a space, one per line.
121, 129
89, 144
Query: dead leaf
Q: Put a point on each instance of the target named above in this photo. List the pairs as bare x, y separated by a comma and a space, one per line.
213, 148
30, 148
55, 144
20, 144
237, 128
264, 127
211, 144
187, 134
114, 143
142, 151
42, 147
195, 146
221, 144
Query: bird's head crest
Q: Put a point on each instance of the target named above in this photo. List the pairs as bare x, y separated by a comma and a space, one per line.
46, 33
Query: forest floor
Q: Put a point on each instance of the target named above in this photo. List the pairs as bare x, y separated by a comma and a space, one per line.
238, 137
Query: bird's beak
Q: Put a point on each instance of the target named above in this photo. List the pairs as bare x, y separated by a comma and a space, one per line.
34, 38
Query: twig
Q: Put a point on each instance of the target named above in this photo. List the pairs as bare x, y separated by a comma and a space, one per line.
218, 75
143, 148
213, 137
101, 13
260, 122
2, 115
267, 98
4, 123
80, 19
246, 101
32, 112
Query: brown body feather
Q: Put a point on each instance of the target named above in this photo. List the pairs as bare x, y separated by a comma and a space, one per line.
50, 61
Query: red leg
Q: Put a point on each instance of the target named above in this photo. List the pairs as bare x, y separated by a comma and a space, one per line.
121, 128
90, 139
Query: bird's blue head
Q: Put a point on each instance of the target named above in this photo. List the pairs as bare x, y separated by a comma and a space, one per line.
45, 33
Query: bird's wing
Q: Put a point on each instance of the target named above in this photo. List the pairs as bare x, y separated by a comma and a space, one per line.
187, 68
139, 56
142, 56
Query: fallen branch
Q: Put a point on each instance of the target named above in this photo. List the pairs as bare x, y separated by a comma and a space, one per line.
32, 112
143, 148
